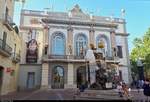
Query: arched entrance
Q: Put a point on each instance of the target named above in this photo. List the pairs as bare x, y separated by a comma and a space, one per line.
58, 77
1, 77
81, 76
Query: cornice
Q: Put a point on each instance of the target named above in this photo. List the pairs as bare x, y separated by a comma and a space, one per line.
122, 34
68, 22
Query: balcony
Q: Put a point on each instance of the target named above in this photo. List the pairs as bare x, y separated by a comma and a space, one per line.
16, 57
8, 22
5, 49
63, 58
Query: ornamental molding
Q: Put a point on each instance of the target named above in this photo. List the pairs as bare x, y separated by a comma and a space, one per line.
81, 23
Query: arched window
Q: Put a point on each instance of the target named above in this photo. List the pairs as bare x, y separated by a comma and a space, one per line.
103, 40
80, 44
58, 44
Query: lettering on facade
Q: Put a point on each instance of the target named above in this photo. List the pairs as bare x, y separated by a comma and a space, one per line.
32, 51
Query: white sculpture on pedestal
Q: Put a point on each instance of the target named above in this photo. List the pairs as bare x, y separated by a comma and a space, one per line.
92, 65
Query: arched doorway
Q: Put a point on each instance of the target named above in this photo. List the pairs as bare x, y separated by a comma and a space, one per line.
58, 77
81, 76
1, 77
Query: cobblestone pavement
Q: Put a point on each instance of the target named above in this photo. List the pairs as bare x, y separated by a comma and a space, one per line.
71, 94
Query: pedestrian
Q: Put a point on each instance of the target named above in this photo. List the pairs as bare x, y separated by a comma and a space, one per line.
125, 90
138, 85
146, 88
119, 89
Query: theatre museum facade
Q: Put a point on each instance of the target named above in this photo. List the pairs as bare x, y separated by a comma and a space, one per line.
55, 44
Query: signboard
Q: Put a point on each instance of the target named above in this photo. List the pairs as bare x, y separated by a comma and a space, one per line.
32, 51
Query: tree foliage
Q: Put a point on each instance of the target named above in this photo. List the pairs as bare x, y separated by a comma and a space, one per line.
141, 50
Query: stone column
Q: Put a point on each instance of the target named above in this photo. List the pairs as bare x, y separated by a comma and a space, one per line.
91, 36
46, 38
45, 70
69, 41
70, 76
113, 42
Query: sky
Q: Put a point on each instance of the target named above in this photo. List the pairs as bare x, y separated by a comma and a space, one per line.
136, 12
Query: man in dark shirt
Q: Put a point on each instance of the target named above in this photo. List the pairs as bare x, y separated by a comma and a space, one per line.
146, 88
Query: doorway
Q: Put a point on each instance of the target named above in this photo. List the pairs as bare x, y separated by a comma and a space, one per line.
31, 80
81, 76
58, 77
1, 77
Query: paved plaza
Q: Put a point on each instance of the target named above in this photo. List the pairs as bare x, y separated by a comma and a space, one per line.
72, 94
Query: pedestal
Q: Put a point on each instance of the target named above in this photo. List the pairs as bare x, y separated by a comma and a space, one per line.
92, 73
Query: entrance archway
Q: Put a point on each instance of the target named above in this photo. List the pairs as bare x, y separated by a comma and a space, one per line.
81, 76
58, 77
1, 77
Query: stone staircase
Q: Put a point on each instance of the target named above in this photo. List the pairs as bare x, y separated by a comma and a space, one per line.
99, 95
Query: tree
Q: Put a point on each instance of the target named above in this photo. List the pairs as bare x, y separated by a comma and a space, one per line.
141, 50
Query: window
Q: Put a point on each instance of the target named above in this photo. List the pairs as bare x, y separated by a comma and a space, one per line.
45, 50
81, 44
14, 50
6, 14
58, 44
32, 34
4, 39
104, 40
119, 51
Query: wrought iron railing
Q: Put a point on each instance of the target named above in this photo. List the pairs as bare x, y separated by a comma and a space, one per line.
65, 57
5, 47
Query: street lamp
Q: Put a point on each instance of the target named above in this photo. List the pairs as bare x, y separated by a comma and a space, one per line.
140, 67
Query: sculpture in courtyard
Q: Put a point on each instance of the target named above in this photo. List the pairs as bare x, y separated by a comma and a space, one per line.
101, 73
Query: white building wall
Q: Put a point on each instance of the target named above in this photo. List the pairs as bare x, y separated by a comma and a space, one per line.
39, 39
120, 40
120, 28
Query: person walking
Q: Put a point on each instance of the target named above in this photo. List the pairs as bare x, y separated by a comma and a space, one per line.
138, 85
125, 90
146, 88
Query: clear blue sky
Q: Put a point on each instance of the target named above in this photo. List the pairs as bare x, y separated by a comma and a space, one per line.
137, 11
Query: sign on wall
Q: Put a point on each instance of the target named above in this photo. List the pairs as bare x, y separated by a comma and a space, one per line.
32, 51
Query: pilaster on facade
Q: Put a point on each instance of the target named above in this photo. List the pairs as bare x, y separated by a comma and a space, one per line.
70, 76
113, 42
44, 81
91, 36
69, 40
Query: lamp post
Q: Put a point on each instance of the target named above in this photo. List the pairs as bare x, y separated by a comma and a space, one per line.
140, 69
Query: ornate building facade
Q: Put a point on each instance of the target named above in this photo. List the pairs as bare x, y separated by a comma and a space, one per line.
55, 44
10, 48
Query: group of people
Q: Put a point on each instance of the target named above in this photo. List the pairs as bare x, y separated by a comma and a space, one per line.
123, 89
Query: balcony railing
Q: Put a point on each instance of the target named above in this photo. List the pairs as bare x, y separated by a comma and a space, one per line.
16, 57
65, 57
5, 49
109, 58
